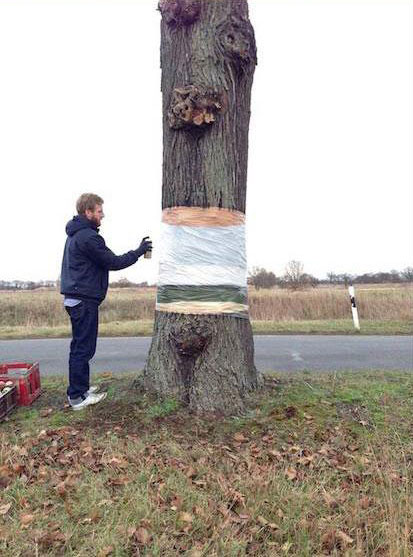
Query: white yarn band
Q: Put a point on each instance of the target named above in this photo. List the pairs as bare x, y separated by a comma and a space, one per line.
203, 264
203, 255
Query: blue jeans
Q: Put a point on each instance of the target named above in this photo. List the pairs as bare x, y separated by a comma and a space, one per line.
84, 318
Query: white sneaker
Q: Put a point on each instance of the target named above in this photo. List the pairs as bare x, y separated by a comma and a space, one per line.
92, 389
91, 398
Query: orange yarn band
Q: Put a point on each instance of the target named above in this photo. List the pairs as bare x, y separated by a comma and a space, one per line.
199, 216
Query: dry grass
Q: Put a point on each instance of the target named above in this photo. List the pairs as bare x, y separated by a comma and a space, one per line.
331, 303
320, 465
44, 308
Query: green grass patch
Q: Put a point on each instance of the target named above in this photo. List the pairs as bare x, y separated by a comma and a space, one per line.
319, 464
332, 327
145, 328
162, 409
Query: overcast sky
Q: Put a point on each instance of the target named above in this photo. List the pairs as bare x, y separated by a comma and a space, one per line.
329, 179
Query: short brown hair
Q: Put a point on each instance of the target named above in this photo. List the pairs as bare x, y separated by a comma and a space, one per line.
88, 201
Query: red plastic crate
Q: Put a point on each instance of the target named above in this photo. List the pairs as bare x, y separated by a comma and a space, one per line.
8, 401
26, 377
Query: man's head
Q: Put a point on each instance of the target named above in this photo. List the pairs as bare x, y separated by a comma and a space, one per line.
90, 206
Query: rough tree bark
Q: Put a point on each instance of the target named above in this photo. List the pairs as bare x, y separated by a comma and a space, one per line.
208, 57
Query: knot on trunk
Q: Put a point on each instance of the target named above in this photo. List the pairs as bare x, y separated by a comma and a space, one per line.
190, 343
193, 108
178, 13
237, 40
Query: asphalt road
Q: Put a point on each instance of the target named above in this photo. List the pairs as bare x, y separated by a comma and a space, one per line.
272, 353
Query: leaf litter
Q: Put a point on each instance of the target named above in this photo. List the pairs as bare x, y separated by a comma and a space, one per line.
207, 485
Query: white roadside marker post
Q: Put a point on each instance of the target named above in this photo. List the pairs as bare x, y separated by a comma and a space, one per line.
354, 307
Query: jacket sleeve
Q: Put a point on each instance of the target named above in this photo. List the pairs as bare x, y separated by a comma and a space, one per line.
102, 256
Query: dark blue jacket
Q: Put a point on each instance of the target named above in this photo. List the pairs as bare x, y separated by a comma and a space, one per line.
87, 261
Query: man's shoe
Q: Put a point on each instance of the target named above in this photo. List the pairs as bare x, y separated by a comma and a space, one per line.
92, 389
91, 398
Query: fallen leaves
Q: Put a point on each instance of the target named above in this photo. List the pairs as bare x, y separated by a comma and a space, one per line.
26, 519
20, 451
275, 453
266, 523
6, 476
290, 412
365, 502
240, 438
4, 509
176, 502
186, 517
291, 473
119, 480
93, 518
258, 483
285, 414
335, 538
106, 551
142, 536
115, 462
196, 553
61, 489
52, 538
330, 500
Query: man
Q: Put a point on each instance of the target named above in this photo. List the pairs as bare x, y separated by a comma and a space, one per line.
84, 284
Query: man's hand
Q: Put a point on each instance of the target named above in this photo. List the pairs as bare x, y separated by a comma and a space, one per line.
145, 245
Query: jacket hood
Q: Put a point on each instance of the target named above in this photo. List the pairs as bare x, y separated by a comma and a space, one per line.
79, 222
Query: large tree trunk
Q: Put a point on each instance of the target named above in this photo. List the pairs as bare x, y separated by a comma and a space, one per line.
208, 58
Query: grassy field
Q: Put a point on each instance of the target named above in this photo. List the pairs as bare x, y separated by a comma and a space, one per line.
382, 310
145, 328
318, 465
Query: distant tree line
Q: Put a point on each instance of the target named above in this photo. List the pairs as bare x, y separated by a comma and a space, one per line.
32, 285
294, 277
372, 278
26, 284
125, 283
